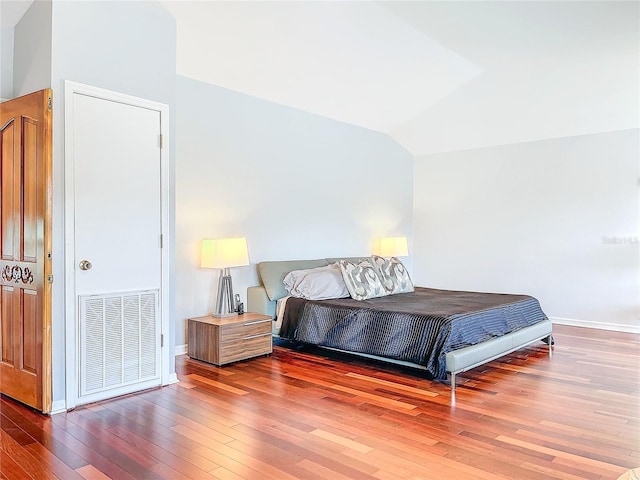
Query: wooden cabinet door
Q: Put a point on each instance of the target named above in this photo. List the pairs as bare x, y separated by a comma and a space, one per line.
25, 249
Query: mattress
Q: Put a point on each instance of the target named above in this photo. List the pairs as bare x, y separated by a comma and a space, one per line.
419, 327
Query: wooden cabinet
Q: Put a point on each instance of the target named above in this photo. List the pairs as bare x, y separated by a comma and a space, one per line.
225, 340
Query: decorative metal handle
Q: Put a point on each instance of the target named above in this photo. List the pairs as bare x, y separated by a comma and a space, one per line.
255, 322
268, 334
85, 265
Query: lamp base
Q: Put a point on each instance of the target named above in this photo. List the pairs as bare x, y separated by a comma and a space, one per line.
225, 306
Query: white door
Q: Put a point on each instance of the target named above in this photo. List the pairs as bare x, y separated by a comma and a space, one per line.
117, 245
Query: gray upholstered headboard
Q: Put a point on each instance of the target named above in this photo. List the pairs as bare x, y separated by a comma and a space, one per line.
262, 299
272, 274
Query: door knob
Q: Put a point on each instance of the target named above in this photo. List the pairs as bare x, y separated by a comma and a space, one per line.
85, 265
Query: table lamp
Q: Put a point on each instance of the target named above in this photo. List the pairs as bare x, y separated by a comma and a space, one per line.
224, 253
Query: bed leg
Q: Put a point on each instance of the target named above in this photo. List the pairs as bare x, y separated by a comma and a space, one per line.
453, 388
550, 344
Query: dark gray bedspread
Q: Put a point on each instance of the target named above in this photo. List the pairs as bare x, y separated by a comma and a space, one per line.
419, 327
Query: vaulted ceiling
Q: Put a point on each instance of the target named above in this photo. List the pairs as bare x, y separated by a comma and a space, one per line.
435, 75
11, 11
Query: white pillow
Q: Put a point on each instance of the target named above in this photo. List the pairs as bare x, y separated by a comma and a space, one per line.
292, 278
317, 283
362, 280
393, 274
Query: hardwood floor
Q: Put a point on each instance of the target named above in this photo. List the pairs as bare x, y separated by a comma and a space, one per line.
575, 415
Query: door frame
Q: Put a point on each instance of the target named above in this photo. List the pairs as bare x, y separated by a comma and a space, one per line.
72, 335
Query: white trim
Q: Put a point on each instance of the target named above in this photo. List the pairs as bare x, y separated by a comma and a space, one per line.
615, 327
173, 378
118, 392
59, 406
181, 350
72, 335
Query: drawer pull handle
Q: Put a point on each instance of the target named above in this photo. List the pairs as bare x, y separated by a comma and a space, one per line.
256, 336
256, 322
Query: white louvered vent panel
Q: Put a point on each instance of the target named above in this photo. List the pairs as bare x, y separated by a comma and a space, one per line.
93, 354
132, 338
119, 340
113, 341
148, 329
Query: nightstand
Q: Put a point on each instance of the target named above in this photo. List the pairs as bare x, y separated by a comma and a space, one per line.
225, 340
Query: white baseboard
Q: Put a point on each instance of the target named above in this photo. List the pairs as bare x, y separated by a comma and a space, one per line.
616, 327
180, 350
173, 378
59, 406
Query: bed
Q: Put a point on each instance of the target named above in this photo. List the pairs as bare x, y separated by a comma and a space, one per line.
442, 332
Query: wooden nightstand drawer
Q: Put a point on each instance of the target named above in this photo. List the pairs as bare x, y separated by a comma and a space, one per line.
247, 348
244, 331
229, 339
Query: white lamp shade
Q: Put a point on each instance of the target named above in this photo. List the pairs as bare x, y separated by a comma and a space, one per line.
394, 247
224, 253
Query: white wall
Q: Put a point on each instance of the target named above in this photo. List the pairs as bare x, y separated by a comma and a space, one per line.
557, 219
297, 185
6, 62
32, 50
127, 47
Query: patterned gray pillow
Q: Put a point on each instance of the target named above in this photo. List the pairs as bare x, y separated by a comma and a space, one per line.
393, 274
362, 280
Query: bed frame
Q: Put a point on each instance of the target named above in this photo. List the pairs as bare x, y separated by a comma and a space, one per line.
259, 300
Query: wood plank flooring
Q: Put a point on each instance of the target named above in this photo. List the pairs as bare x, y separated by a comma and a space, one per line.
303, 415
